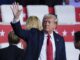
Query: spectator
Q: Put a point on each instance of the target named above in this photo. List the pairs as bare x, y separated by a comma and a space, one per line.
77, 41
12, 52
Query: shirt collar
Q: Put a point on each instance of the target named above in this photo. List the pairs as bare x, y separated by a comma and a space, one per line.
47, 34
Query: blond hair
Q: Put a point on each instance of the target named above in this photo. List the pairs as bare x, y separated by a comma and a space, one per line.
33, 22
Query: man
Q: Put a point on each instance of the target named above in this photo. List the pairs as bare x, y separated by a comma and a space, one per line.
42, 45
77, 41
12, 52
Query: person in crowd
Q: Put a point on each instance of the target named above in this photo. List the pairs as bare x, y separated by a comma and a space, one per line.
12, 52
77, 41
41, 45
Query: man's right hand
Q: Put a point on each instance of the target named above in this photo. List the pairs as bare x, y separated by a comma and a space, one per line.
16, 11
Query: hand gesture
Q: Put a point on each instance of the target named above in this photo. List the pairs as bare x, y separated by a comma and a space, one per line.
15, 10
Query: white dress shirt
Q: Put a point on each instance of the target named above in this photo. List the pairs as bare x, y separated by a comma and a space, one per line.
43, 49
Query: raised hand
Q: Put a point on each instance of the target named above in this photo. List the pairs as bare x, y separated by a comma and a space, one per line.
16, 11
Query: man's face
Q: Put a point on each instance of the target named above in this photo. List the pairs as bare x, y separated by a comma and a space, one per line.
49, 24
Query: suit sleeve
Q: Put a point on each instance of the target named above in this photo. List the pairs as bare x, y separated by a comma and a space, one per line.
24, 34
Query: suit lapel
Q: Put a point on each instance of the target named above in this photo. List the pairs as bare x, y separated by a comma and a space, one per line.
56, 38
57, 41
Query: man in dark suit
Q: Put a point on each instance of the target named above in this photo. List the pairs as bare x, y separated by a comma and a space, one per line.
12, 52
77, 41
41, 45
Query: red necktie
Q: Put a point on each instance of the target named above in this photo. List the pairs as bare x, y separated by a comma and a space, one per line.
49, 49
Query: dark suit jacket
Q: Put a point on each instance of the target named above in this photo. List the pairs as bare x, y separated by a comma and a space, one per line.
34, 38
11, 53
